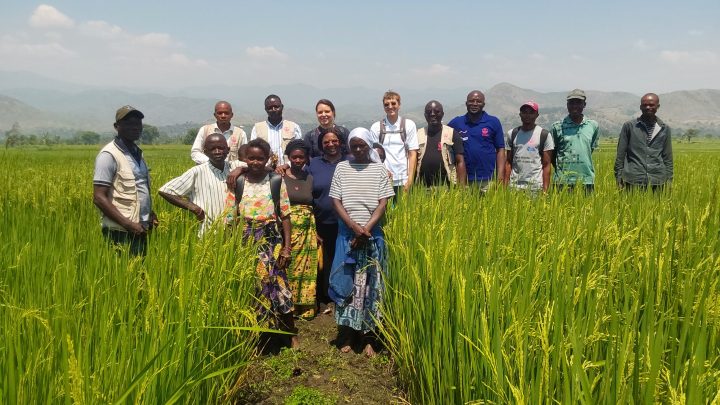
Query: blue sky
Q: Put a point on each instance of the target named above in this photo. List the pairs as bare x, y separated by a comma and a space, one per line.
634, 46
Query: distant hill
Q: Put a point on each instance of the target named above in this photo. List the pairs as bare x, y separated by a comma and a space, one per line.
38, 103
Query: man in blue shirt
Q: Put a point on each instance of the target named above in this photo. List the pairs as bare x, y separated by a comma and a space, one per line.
483, 141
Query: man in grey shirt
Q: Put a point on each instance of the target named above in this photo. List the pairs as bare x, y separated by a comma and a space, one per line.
121, 185
644, 152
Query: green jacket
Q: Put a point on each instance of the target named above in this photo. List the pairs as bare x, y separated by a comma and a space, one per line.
641, 163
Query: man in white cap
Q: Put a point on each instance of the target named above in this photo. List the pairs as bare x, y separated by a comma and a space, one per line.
575, 139
529, 152
121, 185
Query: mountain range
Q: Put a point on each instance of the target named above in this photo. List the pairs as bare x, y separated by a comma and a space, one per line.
40, 104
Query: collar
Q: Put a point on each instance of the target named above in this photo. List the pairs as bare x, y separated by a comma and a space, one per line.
216, 128
342, 157
132, 148
482, 118
658, 122
215, 169
568, 122
388, 124
275, 127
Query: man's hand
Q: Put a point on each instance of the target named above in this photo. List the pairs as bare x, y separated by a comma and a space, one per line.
233, 176
199, 213
281, 169
135, 228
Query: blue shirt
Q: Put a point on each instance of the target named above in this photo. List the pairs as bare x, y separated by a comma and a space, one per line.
481, 141
322, 172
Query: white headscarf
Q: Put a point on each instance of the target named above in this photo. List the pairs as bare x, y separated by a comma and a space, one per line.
368, 137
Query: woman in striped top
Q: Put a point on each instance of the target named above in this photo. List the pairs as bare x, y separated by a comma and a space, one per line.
360, 190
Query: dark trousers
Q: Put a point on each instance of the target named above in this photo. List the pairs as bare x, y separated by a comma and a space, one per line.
589, 188
656, 188
328, 233
136, 244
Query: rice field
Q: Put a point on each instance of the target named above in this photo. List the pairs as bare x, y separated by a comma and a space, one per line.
560, 299
494, 299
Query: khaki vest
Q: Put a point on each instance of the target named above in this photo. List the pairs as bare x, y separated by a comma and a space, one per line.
234, 142
448, 156
123, 194
287, 133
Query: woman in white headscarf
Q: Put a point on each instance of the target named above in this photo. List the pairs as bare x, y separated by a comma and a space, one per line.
360, 190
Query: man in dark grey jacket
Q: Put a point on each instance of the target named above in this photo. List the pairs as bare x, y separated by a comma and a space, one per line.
644, 152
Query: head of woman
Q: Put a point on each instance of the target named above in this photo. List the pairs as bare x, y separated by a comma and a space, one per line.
325, 111
329, 142
360, 144
297, 151
257, 154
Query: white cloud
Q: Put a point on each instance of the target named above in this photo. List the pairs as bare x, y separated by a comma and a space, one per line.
690, 57
12, 47
101, 29
695, 33
46, 16
154, 39
640, 44
432, 70
265, 53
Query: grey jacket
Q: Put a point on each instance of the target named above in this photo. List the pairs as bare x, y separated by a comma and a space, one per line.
641, 163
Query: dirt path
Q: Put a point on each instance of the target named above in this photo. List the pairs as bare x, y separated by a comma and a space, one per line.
318, 373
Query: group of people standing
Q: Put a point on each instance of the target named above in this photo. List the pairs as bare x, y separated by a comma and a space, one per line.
314, 203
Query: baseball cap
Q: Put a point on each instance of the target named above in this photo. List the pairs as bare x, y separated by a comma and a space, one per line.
123, 112
577, 93
532, 105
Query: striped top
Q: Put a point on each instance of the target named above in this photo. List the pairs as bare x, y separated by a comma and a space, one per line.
359, 186
204, 185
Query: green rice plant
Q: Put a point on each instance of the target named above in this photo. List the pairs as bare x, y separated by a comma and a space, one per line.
80, 323
505, 298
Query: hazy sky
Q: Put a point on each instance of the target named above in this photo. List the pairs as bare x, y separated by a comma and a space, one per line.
635, 46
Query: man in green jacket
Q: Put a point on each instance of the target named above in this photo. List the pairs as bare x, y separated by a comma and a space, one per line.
644, 152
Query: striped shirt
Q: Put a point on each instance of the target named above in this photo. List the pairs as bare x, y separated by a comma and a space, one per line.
204, 185
359, 186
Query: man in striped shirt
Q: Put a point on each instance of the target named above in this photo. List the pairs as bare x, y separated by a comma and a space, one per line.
202, 189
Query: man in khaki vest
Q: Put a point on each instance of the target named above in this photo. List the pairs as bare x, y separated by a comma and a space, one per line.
234, 135
276, 131
121, 185
440, 157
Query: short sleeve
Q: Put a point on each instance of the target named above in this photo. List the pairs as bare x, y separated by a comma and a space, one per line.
499, 135
284, 201
549, 143
385, 189
595, 136
508, 139
458, 146
105, 169
182, 185
375, 131
336, 183
412, 137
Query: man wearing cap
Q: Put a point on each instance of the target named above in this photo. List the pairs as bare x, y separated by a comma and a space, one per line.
276, 131
575, 139
529, 152
483, 141
644, 152
235, 136
121, 185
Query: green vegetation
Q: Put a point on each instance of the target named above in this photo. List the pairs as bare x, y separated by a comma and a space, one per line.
502, 298
80, 323
309, 396
607, 299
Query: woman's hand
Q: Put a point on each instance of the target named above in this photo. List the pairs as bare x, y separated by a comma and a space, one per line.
284, 258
